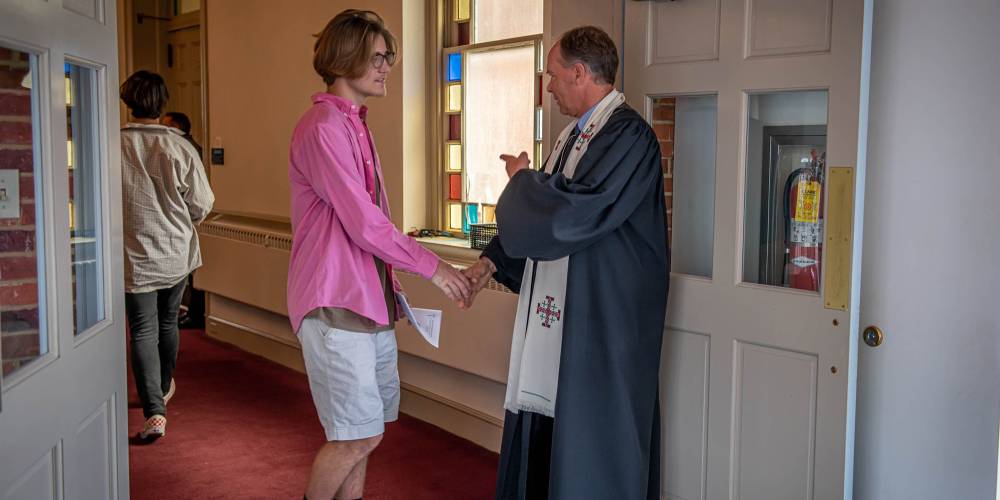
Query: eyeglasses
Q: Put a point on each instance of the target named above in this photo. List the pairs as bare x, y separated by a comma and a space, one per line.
379, 59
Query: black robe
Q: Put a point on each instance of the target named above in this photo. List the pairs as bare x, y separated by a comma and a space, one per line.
603, 442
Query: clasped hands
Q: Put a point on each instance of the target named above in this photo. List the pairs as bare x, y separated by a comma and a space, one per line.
463, 286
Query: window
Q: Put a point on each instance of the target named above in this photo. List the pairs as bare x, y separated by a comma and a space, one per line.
491, 99
785, 172
24, 333
686, 128
84, 196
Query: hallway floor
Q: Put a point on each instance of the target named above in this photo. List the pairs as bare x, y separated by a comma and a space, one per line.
242, 427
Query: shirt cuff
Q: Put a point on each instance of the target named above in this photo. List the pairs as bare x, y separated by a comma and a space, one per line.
427, 263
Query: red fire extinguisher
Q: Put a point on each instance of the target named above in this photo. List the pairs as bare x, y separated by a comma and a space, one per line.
804, 225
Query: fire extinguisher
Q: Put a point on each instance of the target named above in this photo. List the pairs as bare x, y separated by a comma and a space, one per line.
804, 225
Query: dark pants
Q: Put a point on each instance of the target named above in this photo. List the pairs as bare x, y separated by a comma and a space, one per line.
525, 457
152, 322
195, 301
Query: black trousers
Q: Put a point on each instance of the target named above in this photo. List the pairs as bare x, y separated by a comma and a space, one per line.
524, 457
152, 322
194, 299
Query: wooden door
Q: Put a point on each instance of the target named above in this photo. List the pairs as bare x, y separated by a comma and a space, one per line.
183, 73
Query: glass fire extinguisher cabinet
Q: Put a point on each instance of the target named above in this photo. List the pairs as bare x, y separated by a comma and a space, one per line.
785, 189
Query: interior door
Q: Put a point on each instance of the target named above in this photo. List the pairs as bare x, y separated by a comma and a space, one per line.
183, 74
757, 375
63, 418
929, 397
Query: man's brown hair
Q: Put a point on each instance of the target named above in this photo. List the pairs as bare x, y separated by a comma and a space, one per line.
592, 47
344, 47
145, 94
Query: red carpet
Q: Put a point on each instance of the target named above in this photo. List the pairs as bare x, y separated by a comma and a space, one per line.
243, 427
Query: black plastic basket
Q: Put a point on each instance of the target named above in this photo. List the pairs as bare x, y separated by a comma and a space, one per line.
481, 234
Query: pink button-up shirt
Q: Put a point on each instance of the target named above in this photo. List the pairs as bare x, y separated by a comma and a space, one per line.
336, 226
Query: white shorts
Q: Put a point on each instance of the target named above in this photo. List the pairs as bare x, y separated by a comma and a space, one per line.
353, 378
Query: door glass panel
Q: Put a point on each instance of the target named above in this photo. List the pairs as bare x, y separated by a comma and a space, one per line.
785, 171
22, 280
686, 127
84, 197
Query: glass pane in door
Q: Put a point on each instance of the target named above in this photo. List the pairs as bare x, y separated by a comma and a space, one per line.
23, 332
84, 197
686, 128
785, 172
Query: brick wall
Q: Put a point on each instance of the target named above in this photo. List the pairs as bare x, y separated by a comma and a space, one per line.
18, 268
663, 125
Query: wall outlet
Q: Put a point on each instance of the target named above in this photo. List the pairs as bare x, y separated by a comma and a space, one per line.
10, 195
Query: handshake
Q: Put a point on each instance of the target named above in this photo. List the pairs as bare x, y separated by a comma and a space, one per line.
462, 286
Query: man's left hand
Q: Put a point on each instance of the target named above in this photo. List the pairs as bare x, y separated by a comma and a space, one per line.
516, 163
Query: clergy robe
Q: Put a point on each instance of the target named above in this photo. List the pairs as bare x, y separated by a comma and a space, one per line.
603, 442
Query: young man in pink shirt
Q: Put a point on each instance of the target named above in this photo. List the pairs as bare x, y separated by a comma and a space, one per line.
341, 288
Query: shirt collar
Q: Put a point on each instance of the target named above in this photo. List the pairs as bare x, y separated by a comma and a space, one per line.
583, 119
344, 105
156, 126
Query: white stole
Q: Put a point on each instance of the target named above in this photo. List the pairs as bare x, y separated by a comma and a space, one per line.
533, 376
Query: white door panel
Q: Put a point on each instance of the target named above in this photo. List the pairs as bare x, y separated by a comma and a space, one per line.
684, 411
63, 415
755, 378
687, 33
780, 27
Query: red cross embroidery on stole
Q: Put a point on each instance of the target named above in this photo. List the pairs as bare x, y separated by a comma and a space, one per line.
548, 311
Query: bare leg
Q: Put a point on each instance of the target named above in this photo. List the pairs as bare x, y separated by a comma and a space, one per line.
334, 462
354, 485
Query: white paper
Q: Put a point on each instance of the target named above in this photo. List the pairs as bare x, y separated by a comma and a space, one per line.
426, 321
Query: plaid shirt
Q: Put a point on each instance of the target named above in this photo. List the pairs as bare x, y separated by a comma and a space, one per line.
165, 193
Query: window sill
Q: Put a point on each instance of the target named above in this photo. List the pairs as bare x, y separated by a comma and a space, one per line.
454, 250
457, 251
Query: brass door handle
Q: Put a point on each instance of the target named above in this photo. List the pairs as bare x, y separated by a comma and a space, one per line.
873, 336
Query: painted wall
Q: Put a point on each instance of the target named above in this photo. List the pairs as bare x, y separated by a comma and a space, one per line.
260, 80
929, 397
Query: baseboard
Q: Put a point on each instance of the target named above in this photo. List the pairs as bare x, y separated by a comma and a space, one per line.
255, 342
452, 416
